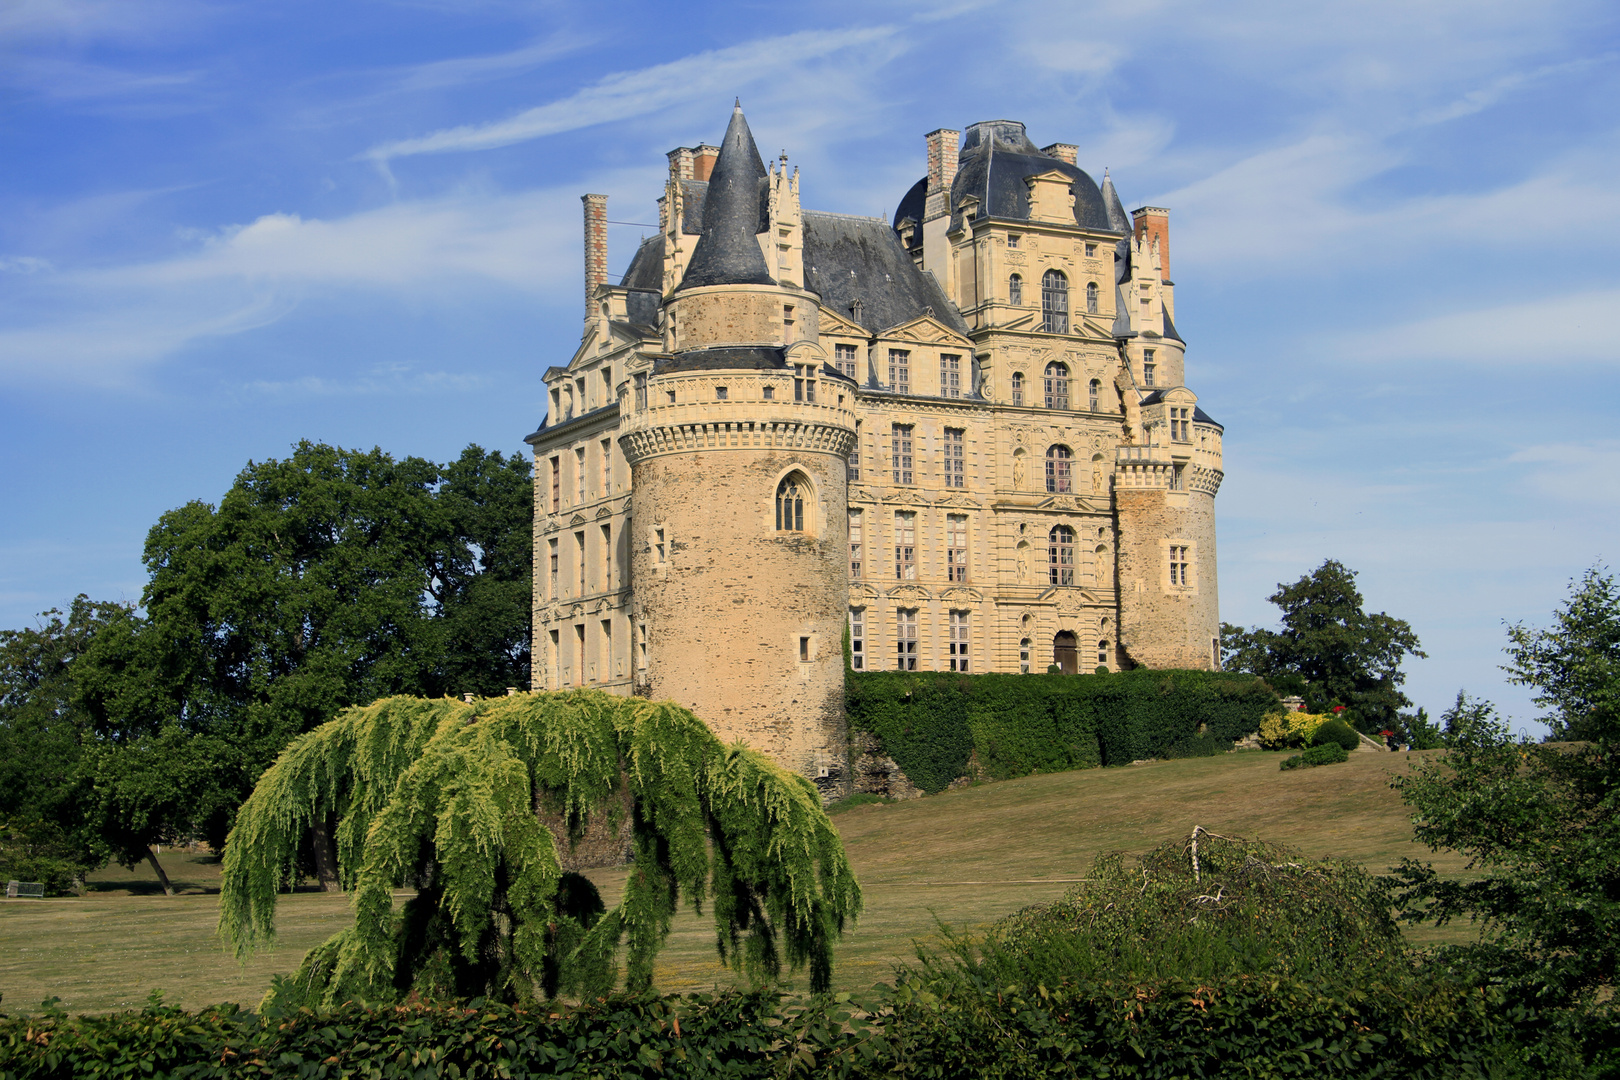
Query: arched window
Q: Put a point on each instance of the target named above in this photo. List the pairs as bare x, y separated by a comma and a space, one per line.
1015, 290
1058, 472
790, 497
1057, 386
1023, 656
1102, 653
1060, 557
1018, 388
1096, 393
1055, 302
1091, 298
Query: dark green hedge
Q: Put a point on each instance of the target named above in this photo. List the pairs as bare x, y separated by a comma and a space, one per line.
932, 723
1165, 1029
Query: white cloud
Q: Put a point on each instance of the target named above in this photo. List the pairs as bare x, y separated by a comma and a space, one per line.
636, 93
1587, 474
1554, 330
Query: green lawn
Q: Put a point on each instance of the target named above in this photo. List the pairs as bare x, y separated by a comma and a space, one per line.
965, 857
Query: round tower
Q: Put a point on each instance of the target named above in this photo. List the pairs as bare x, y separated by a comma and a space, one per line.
737, 442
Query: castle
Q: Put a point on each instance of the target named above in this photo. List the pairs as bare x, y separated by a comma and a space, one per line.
963, 438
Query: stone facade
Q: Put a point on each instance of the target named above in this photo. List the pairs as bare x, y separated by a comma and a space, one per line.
977, 411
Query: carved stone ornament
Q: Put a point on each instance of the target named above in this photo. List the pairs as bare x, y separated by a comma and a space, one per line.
577, 519
960, 595
909, 593
863, 592
577, 611
603, 511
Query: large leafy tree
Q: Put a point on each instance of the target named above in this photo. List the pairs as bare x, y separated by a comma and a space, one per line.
1574, 665
1539, 823
1329, 649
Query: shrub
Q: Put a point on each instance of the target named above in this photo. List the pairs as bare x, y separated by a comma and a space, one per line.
1326, 754
1289, 730
1336, 731
850, 802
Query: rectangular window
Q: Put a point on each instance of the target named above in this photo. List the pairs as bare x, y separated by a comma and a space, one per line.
852, 471
641, 393
900, 371
641, 645
905, 639
720, 393
1181, 425
553, 647
658, 547
1091, 251
804, 382
857, 639
670, 396
950, 375
1018, 388
804, 650
956, 548
579, 546
607, 466
579, 394
605, 658
1178, 565
556, 485
579, 475
856, 555
955, 458
1012, 240
900, 446
844, 359
607, 558
554, 595
770, 393
579, 654
607, 384
1147, 365
1177, 479
905, 545
959, 641
1023, 656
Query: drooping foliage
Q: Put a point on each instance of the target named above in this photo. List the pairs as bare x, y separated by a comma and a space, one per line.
444, 796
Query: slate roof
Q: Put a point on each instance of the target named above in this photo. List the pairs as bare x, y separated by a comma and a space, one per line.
735, 358
849, 258
996, 157
735, 211
646, 269
1198, 412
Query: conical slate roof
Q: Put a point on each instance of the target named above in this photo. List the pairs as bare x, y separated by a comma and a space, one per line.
734, 212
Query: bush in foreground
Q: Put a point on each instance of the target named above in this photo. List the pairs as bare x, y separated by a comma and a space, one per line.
1338, 732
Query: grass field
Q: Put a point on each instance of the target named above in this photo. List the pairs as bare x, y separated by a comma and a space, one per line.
965, 857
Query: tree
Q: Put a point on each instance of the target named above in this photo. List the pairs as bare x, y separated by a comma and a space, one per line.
46, 800
1575, 665
1542, 822
1329, 649
444, 795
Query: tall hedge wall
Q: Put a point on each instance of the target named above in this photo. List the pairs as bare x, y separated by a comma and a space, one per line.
932, 723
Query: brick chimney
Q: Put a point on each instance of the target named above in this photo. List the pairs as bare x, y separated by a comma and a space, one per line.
595, 247
1063, 151
1154, 223
680, 163
942, 150
703, 158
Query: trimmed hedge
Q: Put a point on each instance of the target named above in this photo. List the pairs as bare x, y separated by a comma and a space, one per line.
1165, 1028
934, 723
1330, 753
1336, 731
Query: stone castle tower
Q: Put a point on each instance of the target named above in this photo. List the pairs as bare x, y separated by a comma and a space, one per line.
961, 437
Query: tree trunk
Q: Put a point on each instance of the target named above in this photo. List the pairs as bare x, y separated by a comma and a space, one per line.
325, 856
151, 857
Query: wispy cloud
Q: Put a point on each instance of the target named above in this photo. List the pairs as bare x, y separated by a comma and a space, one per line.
636, 93
1556, 330
383, 380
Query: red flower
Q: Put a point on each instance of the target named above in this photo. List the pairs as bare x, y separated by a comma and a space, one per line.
1338, 708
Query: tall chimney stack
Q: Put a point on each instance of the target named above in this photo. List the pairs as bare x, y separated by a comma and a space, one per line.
703, 159
942, 156
595, 247
1154, 223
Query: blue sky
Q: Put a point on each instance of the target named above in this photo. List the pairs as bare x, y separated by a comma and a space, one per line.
226, 227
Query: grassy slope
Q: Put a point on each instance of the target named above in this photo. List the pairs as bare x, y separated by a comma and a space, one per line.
967, 857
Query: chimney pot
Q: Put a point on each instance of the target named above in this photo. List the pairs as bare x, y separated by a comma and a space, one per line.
943, 144
703, 159
1067, 152
1153, 222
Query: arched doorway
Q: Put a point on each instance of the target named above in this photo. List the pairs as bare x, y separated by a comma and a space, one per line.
1065, 654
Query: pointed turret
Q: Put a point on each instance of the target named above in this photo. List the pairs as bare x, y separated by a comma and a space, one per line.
734, 210
1118, 220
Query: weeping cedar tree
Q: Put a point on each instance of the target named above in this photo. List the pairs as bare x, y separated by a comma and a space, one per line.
1540, 824
445, 796
1329, 650
325, 580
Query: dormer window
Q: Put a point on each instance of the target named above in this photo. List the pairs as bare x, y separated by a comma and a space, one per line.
1091, 251
844, 359
804, 382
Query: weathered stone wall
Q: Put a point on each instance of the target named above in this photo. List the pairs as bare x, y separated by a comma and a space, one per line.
1164, 625
728, 607
874, 772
